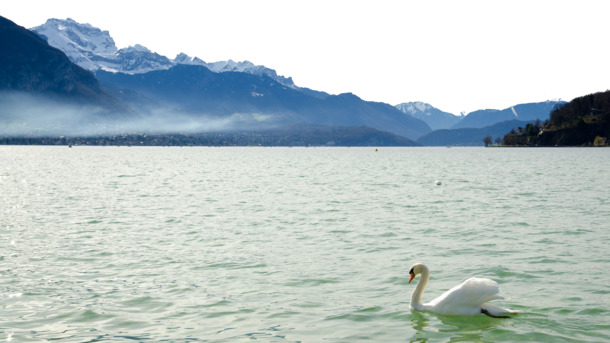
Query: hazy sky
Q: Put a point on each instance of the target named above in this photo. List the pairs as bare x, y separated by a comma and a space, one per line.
459, 56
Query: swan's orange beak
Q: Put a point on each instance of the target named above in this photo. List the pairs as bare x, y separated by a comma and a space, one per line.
411, 278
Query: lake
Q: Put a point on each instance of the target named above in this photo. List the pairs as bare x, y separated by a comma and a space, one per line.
231, 244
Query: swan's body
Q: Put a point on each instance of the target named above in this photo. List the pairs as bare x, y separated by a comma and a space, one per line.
470, 298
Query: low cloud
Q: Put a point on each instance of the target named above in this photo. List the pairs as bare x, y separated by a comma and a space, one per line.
23, 114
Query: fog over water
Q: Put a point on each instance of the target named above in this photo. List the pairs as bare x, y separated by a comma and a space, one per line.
39, 116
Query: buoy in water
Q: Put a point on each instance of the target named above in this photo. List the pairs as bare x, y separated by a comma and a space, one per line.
438, 182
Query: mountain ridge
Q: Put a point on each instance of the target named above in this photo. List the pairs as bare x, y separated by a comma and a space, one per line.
94, 49
524, 112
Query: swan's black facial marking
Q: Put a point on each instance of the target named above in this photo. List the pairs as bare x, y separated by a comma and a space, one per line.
411, 275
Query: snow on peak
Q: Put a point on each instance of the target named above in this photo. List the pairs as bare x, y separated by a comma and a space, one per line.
94, 49
422, 107
415, 107
183, 58
432, 116
72, 36
139, 48
84, 44
230, 65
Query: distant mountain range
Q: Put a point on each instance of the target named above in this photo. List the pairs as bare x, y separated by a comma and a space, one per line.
176, 98
470, 129
522, 112
135, 90
245, 95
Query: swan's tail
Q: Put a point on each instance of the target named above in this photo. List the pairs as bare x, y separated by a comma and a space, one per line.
485, 312
497, 312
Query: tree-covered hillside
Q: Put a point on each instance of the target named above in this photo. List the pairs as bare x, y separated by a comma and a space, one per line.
584, 121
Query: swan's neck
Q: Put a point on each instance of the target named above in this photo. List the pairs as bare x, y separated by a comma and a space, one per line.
419, 289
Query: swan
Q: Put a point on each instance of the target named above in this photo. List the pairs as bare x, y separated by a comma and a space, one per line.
469, 298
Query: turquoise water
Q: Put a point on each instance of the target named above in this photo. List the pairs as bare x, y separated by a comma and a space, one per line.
110, 244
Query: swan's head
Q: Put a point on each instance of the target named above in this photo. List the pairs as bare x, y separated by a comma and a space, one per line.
417, 269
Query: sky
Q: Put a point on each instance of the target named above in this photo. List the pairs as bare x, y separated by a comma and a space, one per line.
457, 55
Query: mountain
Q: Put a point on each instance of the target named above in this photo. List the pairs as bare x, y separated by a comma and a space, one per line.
523, 112
94, 49
468, 136
28, 64
584, 121
255, 101
182, 96
44, 94
432, 116
470, 130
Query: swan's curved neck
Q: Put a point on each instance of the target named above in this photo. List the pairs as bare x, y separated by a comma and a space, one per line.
419, 289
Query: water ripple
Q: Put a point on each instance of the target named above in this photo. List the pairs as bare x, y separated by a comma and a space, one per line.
299, 245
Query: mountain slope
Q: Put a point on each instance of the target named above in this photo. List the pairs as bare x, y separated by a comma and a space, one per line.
29, 64
432, 116
199, 91
524, 112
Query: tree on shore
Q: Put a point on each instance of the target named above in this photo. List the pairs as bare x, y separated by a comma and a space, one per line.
487, 140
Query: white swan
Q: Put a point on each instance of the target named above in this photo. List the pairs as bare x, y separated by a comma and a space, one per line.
467, 299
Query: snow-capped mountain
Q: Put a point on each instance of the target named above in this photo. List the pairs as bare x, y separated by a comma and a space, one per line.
232, 66
30, 66
432, 116
79, 41
416, 108
94, 49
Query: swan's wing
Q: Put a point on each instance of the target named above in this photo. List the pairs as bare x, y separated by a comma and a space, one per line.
472, 292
